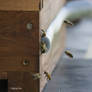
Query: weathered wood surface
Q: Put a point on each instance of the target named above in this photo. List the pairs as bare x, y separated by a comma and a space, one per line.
19, 5
3, 75
47, 14
48, 61
17, 44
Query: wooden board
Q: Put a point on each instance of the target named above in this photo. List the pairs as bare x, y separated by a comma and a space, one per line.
49, 60
19, 5
47, 14
17, 43
22, 82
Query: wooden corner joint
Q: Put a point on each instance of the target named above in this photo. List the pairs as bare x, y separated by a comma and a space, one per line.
41, 5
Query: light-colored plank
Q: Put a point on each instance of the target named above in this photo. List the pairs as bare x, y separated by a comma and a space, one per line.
49, 11
19, 5
49, 60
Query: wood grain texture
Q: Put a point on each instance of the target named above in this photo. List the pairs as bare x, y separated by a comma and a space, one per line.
49, 60
19, 5
3, 75
49, 12
23, 81
17, 43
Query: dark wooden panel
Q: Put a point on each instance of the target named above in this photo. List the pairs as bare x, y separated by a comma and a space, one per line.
15, 82
17, 43
22, 82
16, 63
3, 75
49, 60
30, 84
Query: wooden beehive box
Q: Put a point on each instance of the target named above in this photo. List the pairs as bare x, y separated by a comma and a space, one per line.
20, 25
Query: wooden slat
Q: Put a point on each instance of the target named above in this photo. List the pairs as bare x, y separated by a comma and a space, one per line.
3, 75
15, 82
30, 85
17, 43
19, 5
49, 11
48, 61
22, 82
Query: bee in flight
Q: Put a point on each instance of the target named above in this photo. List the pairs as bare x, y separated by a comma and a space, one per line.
36, 76
48, 76
68, 22
69, 54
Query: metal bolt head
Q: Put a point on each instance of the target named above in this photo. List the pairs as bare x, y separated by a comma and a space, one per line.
29, 26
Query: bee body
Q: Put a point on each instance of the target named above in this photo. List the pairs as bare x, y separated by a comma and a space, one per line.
47, 75
68, 54
43, 33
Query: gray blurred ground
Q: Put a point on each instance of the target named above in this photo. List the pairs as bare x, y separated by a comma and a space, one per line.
74, 75
71, 76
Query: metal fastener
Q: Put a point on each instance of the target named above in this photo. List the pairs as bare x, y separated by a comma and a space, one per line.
29, 26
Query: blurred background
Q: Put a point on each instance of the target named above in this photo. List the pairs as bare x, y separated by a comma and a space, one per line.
75, 75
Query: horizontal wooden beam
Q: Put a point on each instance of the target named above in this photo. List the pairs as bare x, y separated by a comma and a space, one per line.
19, 5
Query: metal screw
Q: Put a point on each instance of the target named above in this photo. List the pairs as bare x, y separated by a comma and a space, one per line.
29, 26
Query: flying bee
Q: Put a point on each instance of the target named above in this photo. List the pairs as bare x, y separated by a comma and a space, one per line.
36, 76
43, 47
48, 76
68, 22
68, 54
43, 33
